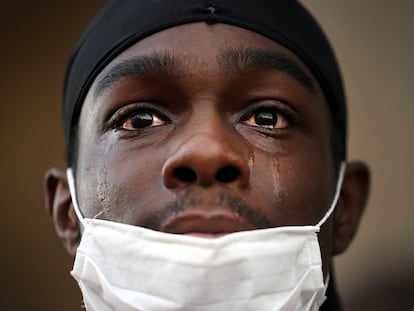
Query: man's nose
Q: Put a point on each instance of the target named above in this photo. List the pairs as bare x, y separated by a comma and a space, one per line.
206, 159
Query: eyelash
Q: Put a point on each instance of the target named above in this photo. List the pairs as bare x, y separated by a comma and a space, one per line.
269, 105
129, 111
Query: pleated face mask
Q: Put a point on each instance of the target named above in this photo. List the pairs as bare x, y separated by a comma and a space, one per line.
124, 267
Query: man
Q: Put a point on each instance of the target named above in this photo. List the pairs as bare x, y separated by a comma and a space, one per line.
206, 143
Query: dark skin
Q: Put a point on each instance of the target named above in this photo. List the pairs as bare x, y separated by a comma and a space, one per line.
209, 140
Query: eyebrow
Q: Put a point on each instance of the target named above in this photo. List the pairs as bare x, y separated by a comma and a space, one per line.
155, 63
251, 58
233, 59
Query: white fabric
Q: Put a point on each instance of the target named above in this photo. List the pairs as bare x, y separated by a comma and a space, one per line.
124, 267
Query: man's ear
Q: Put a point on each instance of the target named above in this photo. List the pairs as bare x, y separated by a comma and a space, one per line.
351, 204
59, 205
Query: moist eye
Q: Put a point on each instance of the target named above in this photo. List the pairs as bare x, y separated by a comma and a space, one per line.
139, 119
267, 119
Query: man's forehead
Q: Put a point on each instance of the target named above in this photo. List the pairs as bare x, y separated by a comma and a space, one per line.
228, 47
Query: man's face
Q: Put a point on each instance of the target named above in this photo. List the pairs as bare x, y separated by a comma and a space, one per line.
205, 130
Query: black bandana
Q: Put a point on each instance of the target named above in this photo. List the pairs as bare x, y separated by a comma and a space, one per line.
121, 23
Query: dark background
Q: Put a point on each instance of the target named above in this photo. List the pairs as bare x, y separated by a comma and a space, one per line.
375, 46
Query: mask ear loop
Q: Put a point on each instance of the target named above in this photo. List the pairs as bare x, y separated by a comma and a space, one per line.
337, 194
341, 175
72, 189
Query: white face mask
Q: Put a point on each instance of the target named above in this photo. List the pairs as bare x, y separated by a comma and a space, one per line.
124, 267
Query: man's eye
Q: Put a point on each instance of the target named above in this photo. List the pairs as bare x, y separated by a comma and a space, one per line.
140, 120
267, 119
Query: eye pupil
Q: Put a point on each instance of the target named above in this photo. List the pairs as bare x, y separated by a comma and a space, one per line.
142, 120
265, 118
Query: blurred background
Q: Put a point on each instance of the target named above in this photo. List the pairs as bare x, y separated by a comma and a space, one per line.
375, 46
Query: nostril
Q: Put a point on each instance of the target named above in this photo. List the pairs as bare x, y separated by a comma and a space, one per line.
227, 174
185, 174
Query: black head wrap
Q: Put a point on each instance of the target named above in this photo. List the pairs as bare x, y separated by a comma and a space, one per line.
121, 23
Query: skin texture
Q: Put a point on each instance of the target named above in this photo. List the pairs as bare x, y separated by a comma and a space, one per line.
208, 163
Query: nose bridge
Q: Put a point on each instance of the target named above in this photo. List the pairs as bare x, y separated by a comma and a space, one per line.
208, 129
208, 132
208, 152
